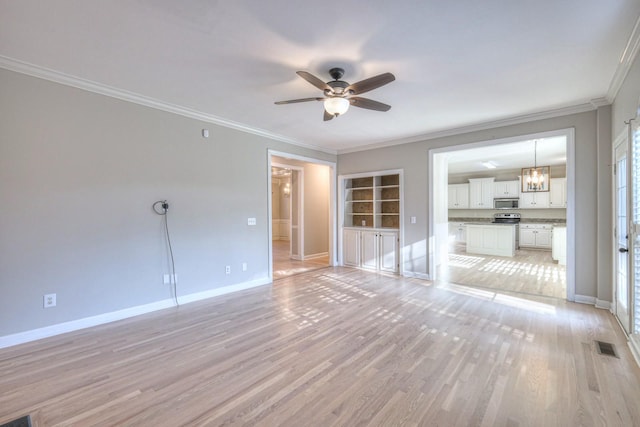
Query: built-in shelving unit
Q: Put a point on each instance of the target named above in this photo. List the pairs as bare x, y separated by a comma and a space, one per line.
372, 202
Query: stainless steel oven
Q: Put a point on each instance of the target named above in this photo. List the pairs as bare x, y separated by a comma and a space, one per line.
511, 203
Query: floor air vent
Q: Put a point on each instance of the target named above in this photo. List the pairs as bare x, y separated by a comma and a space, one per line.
20, 422
606, 348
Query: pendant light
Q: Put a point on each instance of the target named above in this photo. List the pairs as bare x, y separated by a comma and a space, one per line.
535, 178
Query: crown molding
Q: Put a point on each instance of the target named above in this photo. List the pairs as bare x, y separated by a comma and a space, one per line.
22, 67
549, 114
626, 60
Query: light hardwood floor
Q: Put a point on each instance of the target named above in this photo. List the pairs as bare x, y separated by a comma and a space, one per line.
284, 266
531, 271
333, 347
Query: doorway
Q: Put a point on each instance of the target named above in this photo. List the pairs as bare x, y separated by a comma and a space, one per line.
301, 206
532, 269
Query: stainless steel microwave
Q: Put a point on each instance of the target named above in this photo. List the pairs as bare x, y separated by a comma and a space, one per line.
505, 203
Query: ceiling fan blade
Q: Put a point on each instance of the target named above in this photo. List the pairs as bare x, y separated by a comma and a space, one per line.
371, 83
327, 116
314, 81
293, 101
369, 104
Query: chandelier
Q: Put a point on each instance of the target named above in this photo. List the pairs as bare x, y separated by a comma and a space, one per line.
535, 178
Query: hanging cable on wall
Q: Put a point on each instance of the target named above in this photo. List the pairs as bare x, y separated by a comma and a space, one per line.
161, 207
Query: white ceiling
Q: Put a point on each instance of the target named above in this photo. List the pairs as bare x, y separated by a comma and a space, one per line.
551, 151
457, 63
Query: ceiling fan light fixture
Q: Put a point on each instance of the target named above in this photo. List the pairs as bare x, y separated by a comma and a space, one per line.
336, 105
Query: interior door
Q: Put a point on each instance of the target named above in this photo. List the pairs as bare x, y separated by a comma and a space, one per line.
622, 282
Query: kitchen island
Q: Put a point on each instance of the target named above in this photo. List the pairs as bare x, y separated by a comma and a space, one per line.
491, 239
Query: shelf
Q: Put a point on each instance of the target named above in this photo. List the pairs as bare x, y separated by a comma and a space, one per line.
372, 201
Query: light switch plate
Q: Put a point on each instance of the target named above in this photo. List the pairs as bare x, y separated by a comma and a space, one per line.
251, 221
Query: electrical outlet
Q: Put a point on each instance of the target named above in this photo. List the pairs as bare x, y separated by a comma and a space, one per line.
49, 300
227, 269
244, 266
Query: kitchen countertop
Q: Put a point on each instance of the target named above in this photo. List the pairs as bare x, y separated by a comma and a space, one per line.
498, 224
555, 221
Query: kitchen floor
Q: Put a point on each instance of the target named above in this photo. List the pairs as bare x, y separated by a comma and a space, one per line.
284, 266
530, 272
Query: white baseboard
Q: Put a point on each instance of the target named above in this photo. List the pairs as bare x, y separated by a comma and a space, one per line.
415, 275
185, 299
318, 255
583, 299
87, 322
605, 305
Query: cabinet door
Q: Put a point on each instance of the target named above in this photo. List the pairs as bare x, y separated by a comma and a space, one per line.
351, 244
388, 251
527, 237
453, 197
462, 191
558, 193
513, 188
542, 200
543, 238
369, 250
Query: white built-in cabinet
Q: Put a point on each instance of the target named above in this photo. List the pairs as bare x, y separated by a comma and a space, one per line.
506, 189
536, 235
371, 221
458, 196
481, 193
558, 193
534, 200
371, 249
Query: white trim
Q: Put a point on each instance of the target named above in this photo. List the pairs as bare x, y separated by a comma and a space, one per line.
605, 305
413, 274
583, 299
315, 256
634, 346
211, 293
626, 60
102, 89
581, 108
88, 322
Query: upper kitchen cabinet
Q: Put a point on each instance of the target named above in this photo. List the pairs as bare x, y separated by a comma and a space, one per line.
506, 189
558, 193
458, 196
534, 200
481, 193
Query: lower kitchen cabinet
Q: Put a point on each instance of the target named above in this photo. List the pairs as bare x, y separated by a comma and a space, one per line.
371, 249
535, 236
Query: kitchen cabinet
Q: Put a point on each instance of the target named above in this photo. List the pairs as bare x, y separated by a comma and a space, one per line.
491, 239
506, 189
481, 193
558, 193
559, 245
535, 236
458, 232
534, 200
371, 249
458, 196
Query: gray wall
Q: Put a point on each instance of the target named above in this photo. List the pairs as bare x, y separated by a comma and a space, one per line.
413, 158
78, 175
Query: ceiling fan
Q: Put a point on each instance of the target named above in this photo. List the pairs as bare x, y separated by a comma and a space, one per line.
339, 95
